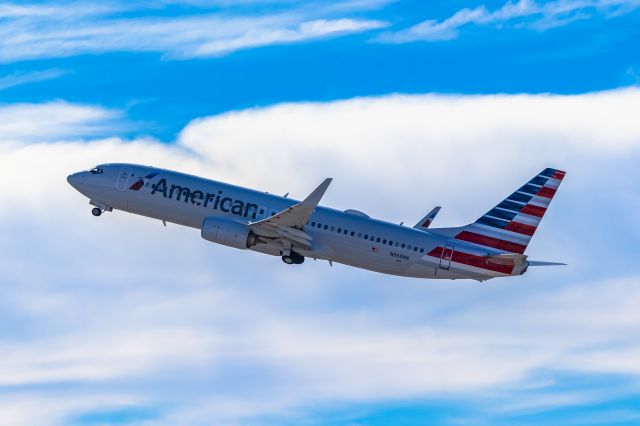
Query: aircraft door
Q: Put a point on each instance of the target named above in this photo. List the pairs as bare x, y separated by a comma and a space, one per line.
123, 179
447, 254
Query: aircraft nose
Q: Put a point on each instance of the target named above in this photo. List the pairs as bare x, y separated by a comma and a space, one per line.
74, 180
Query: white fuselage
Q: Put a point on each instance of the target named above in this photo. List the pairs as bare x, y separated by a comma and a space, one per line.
351, 238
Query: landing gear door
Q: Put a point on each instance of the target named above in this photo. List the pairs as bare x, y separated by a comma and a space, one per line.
445, 259
123, 179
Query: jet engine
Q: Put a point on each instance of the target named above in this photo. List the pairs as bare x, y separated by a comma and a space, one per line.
228, 233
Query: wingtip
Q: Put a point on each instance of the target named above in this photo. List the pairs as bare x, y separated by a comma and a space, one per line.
325, 183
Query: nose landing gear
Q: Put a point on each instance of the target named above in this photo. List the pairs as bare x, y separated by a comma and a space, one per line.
99, 208
293, 258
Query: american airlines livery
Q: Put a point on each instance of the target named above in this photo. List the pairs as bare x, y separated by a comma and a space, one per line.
492, 246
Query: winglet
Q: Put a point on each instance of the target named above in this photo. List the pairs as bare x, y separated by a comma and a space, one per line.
426, 221
296, 215
314, 198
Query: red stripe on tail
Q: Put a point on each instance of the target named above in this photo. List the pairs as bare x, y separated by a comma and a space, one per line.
521, 228
487, 241
546, 192
532, 210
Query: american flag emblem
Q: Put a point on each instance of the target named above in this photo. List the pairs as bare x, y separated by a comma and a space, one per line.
375, 249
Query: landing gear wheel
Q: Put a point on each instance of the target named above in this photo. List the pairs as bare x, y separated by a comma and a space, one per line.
293, 259
96, 211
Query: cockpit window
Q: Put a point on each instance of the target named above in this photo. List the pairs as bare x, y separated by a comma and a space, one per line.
96, 171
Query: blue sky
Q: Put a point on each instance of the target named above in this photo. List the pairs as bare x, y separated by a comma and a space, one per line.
162, 86
407, 104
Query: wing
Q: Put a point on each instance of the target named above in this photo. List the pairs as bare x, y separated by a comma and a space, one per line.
426, 221
289, 223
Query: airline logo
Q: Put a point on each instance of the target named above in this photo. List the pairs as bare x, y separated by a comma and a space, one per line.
215, 201
142, 181
510, 225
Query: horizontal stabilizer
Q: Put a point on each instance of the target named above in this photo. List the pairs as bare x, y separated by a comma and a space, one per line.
512, 259
538, 263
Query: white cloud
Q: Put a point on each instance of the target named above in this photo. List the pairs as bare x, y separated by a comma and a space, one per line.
31, 32
308, 30
54, 121
121, 310
20, 78
521, 14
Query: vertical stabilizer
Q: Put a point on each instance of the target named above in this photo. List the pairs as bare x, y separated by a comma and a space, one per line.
509, 226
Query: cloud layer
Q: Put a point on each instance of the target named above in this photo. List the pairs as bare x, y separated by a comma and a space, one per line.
119, 314
528, 14
61, 30
205, 29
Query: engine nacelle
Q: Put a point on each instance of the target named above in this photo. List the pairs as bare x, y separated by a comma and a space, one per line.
228, 233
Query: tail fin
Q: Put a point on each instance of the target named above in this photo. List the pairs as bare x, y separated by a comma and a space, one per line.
509, 226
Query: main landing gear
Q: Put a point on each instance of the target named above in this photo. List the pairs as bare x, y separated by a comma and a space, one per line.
293, 258
96, 211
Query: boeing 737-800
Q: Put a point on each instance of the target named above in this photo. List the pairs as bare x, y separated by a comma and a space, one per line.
492, 246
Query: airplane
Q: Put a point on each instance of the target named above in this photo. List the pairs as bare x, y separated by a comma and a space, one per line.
492, 246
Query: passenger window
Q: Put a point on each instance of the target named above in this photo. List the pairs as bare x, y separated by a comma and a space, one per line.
421, 250
326, 226
384, 241
346, 232
378, 240
402, 245
353, 233
390, 242
339, 230
313, 224
415, 249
